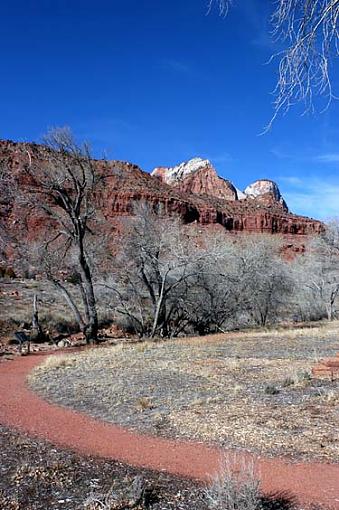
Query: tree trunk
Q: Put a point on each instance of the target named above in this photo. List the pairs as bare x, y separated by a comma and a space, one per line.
37, 333
159, 309
71, 304
329, 311
91, 329
85, 302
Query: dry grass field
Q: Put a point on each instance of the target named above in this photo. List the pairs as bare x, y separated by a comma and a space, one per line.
249, 390
16, 298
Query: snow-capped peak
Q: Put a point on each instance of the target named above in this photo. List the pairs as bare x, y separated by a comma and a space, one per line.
179, 172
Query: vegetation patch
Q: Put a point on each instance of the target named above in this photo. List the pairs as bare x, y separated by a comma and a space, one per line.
37, 476
249, 390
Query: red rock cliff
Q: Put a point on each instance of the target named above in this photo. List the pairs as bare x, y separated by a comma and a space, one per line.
203, 198
197, 176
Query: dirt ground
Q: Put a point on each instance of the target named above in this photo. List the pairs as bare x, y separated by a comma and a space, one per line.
16, 299
37, 476
249, 390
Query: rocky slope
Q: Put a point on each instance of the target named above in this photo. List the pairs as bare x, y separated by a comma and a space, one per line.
198, 176
265, 188
193, 191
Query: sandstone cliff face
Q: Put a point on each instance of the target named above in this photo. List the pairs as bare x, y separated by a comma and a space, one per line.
197, 197
267, 191
199, 177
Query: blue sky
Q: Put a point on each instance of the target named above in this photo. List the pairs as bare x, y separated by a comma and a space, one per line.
157, 82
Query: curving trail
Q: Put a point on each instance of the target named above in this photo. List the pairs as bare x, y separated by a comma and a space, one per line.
22, 409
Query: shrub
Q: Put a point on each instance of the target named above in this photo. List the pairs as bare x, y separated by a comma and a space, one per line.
74, 278
235, 487
288, 381
7, 272
303, 378
63, 326
270, 389
139, 495
57, 361
145, 403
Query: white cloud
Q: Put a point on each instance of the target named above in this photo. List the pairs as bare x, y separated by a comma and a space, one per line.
331, 157
224, 157
314, 197
280, 153
175, 66
296, 181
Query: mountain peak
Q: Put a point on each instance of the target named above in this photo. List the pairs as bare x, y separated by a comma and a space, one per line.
197, 176
178, 173
263, 187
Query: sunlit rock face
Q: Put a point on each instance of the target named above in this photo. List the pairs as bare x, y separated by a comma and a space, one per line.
191, 191
266, 189
262, 186
178, 173
197, 176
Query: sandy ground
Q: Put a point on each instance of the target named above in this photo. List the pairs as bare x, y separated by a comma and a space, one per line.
247, 390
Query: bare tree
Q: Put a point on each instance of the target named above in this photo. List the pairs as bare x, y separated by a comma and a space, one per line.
160, 276
62, 190
222, 5
319, 272
37, 333
309, 30
167, 281
265, 279
212, 300
153, 264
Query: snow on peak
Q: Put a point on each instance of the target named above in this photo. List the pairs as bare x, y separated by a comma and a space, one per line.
179, 172
261, 187
240, 194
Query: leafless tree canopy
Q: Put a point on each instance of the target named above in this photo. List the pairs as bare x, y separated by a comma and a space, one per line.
166, 282
62, 190
309, 29
316, 276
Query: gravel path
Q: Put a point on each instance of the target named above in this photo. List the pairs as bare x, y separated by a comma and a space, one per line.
21, 408
245, 391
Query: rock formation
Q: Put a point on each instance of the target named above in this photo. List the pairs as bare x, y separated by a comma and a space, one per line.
199, 177
265, 189
192, 191
328, 368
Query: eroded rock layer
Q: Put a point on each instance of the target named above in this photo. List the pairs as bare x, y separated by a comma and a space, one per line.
196, 196
198, 176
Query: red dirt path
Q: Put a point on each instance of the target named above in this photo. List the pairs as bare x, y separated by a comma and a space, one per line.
22, 409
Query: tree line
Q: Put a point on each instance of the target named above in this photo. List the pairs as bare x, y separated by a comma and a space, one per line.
161, 278
166, 281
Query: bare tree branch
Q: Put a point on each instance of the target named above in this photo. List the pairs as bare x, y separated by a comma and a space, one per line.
309, 29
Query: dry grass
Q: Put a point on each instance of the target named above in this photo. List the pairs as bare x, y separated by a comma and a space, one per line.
235, 487
16, 297
58, 361
213, 389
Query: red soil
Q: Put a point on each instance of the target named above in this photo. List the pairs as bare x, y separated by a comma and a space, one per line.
22, 409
